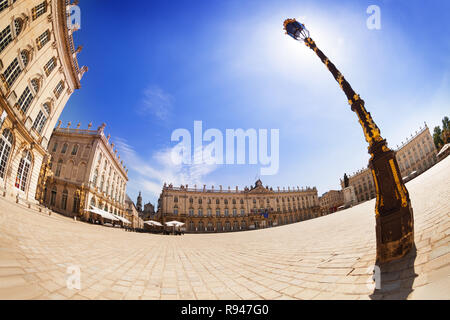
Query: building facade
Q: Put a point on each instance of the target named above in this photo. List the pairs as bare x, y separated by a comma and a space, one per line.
86, 172
133, 214
418, 153
331, 201
39, 72
414, 156
211, 210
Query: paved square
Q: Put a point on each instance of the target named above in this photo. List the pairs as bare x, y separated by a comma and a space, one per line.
325, 258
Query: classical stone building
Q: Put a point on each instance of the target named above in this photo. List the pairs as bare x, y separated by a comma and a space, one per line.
86, 173
133, 214
148, 211
418, 153
331, 201
39, 72
212, 210
414, 156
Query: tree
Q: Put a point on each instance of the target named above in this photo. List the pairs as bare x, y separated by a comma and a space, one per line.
445, 124
445, 130
437, 137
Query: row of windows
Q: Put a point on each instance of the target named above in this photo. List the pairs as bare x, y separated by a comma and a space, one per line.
116, 192
63, 202
226, 212
112, 175
74, 151
241, 201
23, 171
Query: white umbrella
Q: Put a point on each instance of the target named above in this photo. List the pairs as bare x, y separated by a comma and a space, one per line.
174, 223
153, 223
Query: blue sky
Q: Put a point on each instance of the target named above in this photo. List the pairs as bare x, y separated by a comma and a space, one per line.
156, 66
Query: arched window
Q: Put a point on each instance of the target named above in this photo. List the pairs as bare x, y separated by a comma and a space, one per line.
76, 203
41, 119
25, 100
64, 200
102, 183
18, 25
75, 150
25, 55
6, 141
58, 168
94, 179
23, 171
64, 148
36, 85
53, 196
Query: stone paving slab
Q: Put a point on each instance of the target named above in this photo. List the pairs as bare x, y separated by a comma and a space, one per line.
326, 258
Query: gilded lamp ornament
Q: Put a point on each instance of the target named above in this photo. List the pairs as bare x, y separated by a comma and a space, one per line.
393, 211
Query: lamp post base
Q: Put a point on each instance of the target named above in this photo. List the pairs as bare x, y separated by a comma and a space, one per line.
394, 214
389, 249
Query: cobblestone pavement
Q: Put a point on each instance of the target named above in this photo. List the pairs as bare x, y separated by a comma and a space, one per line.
326, 258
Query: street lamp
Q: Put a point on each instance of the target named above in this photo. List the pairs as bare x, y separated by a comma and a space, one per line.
393, 211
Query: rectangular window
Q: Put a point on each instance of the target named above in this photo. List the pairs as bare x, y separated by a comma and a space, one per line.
59, 89
39, 10
3, 5
50, 66
25, 100
5, 38
64, 201
40, 121
12, 73
55, 146
43, 39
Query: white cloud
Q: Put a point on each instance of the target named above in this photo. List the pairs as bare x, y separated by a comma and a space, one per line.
150, 175
156, 102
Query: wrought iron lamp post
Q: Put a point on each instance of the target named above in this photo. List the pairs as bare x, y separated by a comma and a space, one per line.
393, 211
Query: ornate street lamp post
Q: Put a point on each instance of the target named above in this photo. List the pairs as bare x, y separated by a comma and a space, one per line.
393, 211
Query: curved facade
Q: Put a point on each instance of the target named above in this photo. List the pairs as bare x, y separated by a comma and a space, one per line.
39, 72
209, 210
86, 172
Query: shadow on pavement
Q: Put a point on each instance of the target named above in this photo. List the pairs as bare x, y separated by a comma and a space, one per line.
397, 278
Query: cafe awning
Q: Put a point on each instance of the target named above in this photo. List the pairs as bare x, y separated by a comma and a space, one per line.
122, 219
103, 213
